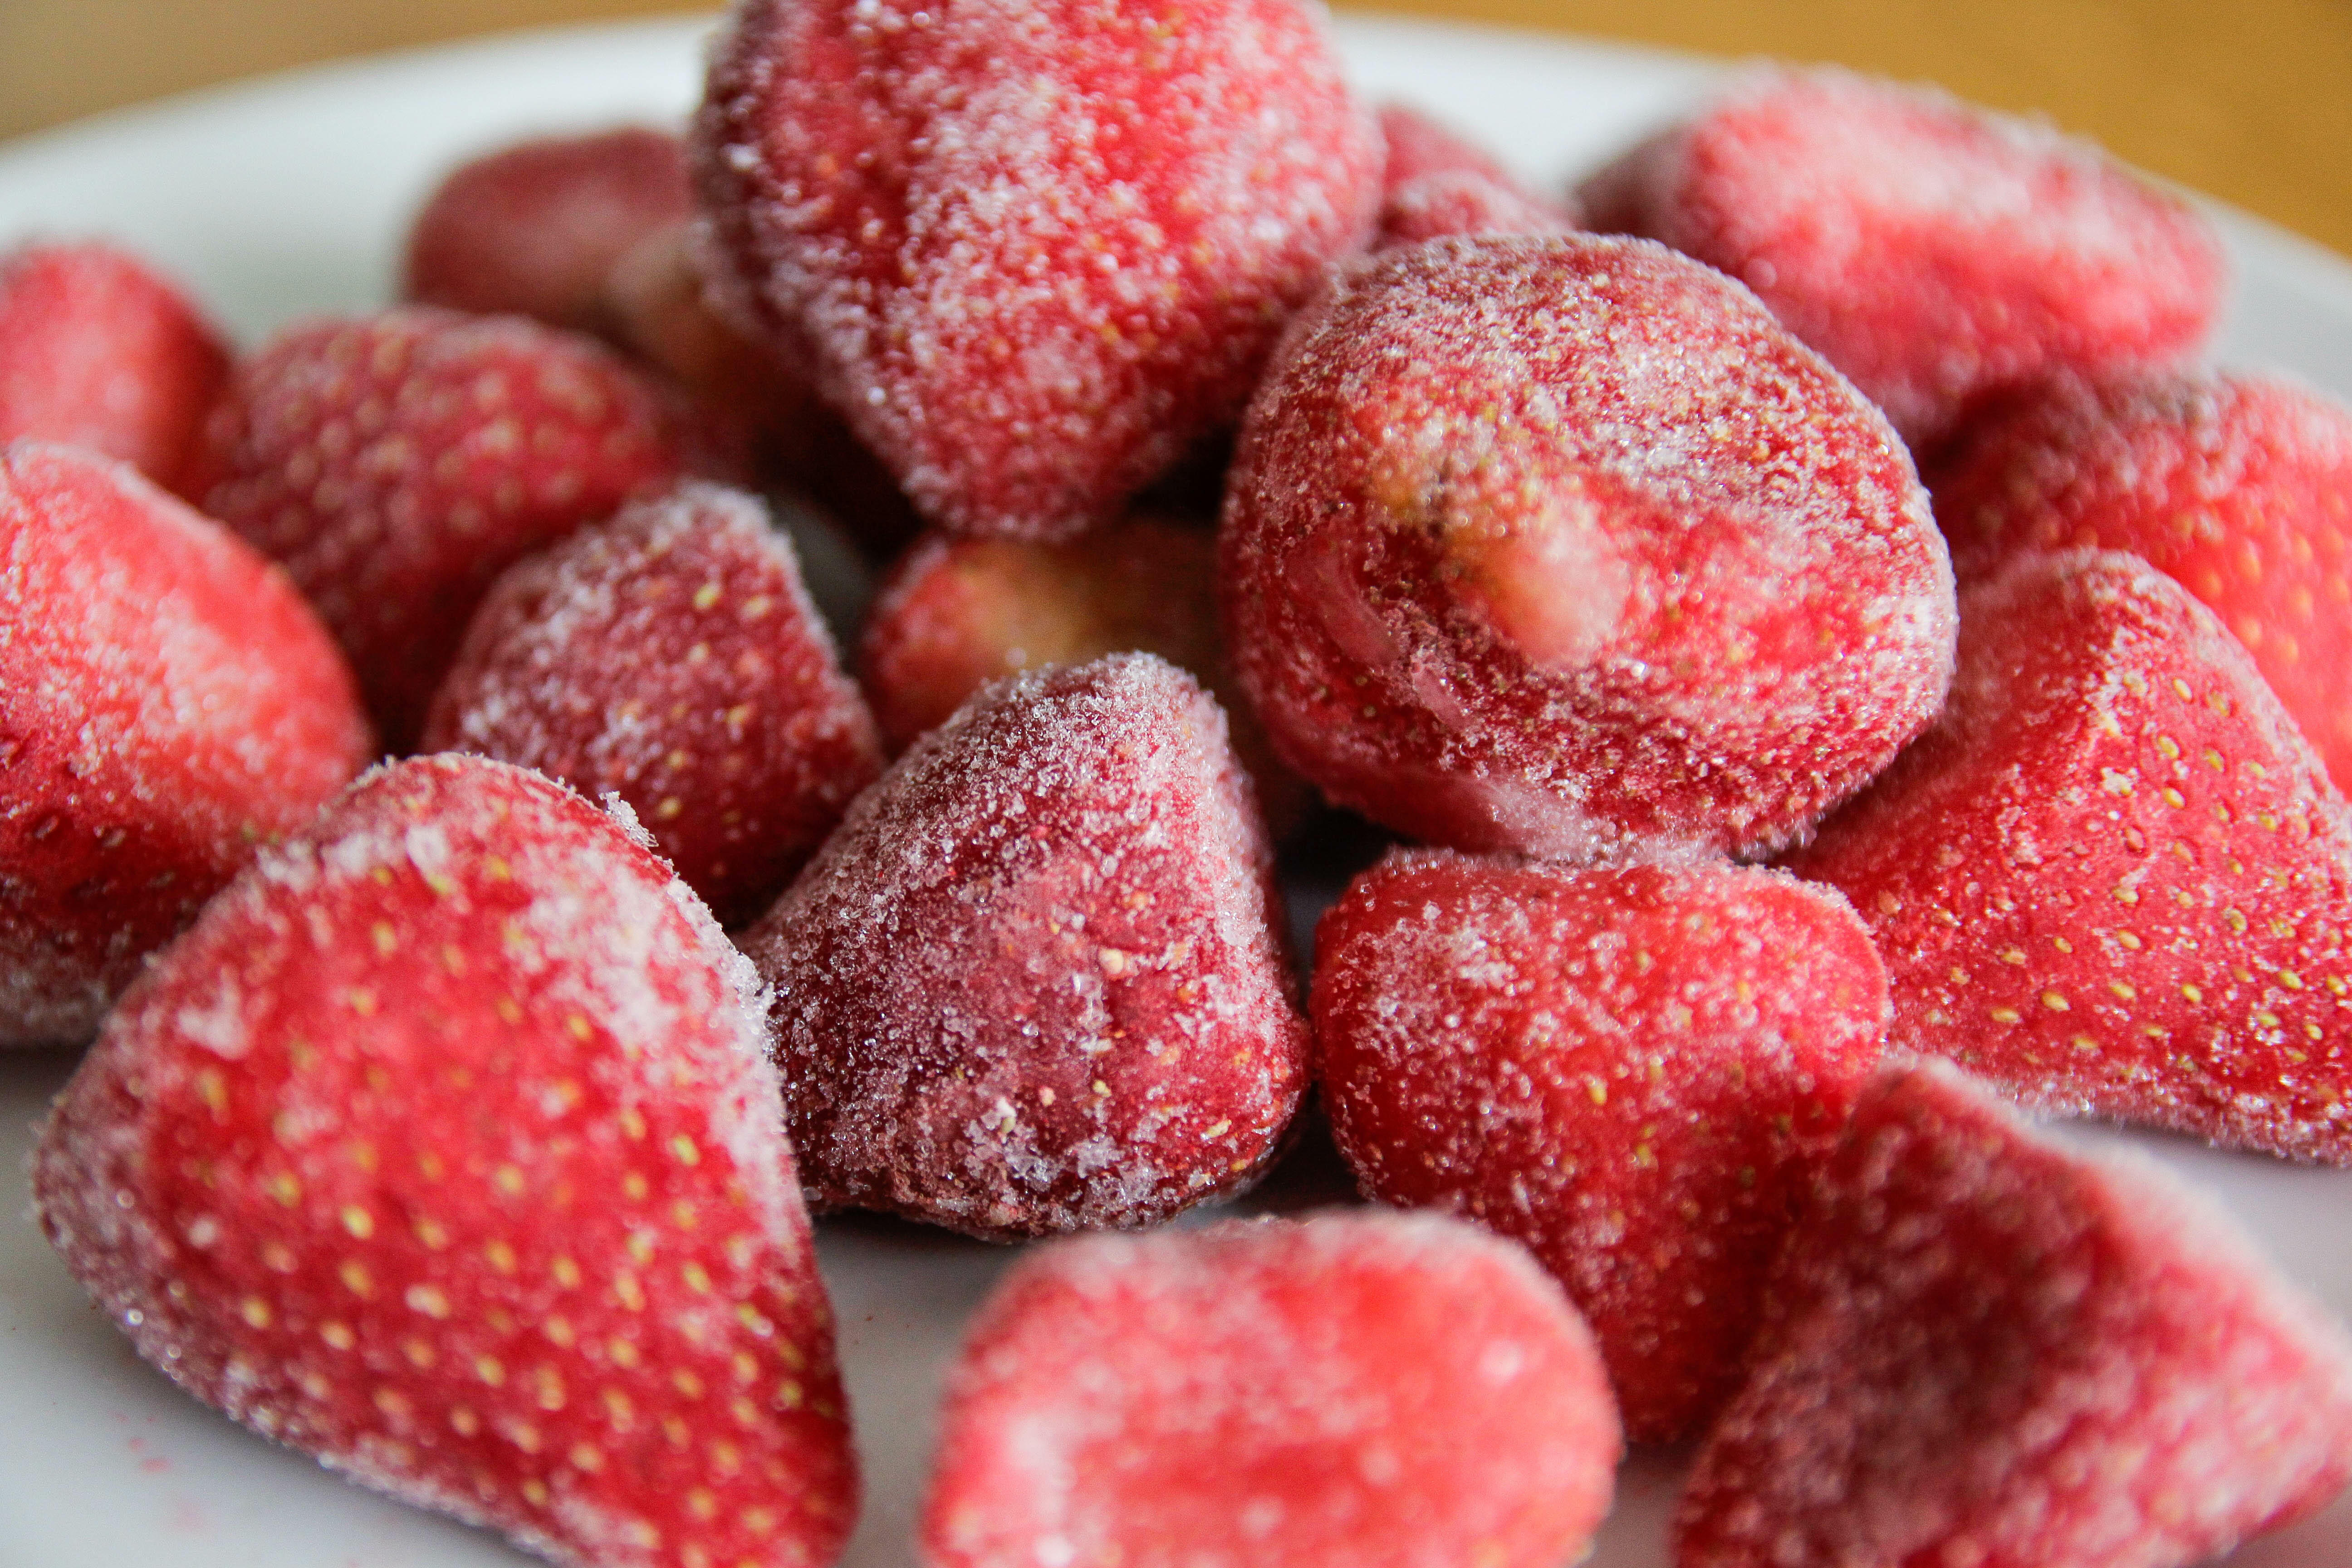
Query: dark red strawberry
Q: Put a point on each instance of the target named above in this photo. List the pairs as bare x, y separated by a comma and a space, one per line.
957, 614
1351, 1390
1982, 1349
535, 229
1933, 251
2113, 878
2237, 487
167, 701
1635, 1070
1561, 545
97, 351
397, 463
1034, 983
1031, 252
445, 1148
672, 656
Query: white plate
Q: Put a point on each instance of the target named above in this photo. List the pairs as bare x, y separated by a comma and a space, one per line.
290, 197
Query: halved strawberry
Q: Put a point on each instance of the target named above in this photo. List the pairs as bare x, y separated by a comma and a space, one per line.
1033, 983
671, 656
1982, 1349
1635, 1070
397, 463
167, 701
98, 350
445, 1148
1349, 1390
2113, 878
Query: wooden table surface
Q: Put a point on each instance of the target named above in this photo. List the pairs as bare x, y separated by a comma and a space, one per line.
2251, 99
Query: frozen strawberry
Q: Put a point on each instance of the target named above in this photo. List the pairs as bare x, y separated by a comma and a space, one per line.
397, 463
1031, 251
1350, 1390
443, 1148
2113, 878
99, 352
959, 613
658, 298
1033, 984
2238, 487
535, 229
1437, 183
167, 701
672, 656
1933, 251
1561, 545
1635, 1070
1982, 1349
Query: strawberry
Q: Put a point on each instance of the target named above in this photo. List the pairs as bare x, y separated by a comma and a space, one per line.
2238, 487
1351, 1390
535, 229
2113, 878
1635, 1070
1438, 182
1030, 252
672, 656
1935, 252
1033, 984
167, 700
97, 351
958, 612
1469, 595
1980, 1347
397, 463
443, 1148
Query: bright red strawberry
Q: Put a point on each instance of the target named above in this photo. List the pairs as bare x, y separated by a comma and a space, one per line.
1031, 250
1352, 1390
2113, 879
1034, 983
957, 614
397, 463
444, 1147
167, 701
2239, 488
672, 656
1437, 183
535, 229
99, 352
1933, 251
1470, 597
1982, 1349
1634, 1071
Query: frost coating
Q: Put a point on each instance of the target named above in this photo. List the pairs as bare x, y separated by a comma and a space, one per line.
672, 656
167, 701
444, 1147
1030, 251
1635, 1070
1353, 1390
1981, 1349
1561, 545
1033, 984
1931, 250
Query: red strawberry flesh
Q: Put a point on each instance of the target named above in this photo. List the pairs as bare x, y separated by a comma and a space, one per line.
1354, 1390
1634, 1071
1980, 1347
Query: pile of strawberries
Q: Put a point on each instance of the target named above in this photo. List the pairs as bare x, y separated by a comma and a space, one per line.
1243, 458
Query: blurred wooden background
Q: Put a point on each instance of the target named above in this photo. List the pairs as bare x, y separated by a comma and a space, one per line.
2251, 99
